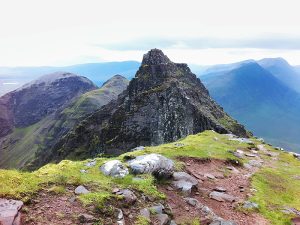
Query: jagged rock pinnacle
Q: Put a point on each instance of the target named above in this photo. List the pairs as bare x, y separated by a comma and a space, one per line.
155, 57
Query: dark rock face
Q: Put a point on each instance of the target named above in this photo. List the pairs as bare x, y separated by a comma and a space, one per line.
29, 104
164, 102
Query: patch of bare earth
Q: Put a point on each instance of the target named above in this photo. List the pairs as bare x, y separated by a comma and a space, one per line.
236, 182
52, 209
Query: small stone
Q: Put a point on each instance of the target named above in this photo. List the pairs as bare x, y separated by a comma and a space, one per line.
222, 222
83, 171
91, 163
157, 209
220, 189
128, 195
255, 163
162, 219
169, 188
81, 190
216, 139
210, 176
192, 201
187, 208
179, 144
72, 199
250, 205
86, 218
145, 213
250, 155
222, 197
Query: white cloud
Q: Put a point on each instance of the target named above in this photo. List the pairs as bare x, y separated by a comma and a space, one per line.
61, 32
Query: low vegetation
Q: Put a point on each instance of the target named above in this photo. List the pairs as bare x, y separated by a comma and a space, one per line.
277, 185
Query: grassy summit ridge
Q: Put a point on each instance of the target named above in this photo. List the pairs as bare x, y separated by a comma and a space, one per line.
275, 182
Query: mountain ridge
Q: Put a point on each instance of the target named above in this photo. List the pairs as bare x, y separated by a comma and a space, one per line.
163, 103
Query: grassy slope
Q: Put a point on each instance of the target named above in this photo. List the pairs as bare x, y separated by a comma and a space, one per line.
275, 186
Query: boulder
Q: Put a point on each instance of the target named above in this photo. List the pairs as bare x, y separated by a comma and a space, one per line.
9, 212
81, 190
152, 163
222, 197
184, 182
192, 201
114, 168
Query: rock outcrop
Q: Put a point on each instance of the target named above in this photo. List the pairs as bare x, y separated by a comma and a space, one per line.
164, 102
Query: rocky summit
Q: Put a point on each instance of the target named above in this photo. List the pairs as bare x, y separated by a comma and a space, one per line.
163, 103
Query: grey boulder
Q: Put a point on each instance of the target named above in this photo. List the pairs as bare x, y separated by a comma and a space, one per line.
152, 163
9, 212
114, 168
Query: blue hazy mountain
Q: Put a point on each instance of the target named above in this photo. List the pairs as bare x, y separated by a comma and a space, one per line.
281, 69
257, 99
12, 78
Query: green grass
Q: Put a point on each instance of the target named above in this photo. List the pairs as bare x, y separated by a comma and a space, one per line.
276, 189
275, 185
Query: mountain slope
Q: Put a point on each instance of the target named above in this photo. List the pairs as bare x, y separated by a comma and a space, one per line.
13, 77
32, 102
259, 100
164, 102
20, 147
282, 70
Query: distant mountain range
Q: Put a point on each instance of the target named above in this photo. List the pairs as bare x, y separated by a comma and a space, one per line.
33, 118
12, 78
261, 95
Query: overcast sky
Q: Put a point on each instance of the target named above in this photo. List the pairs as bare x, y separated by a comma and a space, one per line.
65, 32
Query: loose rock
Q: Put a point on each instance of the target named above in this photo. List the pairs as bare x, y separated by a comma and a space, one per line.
9, 212
152, 163
128, 195
222, 197
114, 168
184, 182
250, 205
81, 190
162, 219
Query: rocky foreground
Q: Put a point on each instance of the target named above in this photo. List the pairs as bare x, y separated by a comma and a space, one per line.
206, 178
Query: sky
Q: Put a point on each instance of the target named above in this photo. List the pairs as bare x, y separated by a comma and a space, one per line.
66, 32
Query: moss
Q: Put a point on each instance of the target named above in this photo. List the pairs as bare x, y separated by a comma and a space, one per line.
141, 221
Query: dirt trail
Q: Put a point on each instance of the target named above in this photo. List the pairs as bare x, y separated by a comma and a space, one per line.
236, 183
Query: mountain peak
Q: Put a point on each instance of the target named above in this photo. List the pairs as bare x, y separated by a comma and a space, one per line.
155, 57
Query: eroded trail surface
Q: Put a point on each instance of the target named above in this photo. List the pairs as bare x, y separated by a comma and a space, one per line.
215, 176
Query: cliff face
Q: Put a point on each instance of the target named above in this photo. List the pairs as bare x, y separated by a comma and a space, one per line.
164, 102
